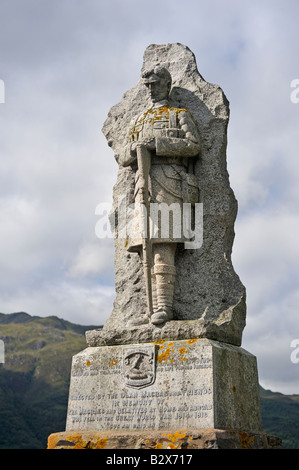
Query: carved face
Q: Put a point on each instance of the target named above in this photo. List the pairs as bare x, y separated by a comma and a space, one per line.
158, 90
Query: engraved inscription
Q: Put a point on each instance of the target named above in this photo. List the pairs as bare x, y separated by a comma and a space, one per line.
132, 388
139, 411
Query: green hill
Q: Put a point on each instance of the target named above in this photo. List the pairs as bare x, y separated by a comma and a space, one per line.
281, 416
34, 379
34, 383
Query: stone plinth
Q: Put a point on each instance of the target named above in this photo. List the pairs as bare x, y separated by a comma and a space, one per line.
164, 386
199, 439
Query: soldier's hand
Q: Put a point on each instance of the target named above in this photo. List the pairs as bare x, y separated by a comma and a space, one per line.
149, 144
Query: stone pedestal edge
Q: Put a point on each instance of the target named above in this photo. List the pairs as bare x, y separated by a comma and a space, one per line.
194, 439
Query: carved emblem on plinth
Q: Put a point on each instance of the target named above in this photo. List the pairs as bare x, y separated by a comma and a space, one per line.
139, 366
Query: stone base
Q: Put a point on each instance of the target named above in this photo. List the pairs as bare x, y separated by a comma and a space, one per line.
200, 439
169, 331
164, 387
188, 394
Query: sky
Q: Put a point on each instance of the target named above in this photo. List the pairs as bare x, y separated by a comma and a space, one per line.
63, 65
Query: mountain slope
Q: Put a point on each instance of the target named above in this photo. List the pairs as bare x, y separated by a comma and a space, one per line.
34, 379
281, 416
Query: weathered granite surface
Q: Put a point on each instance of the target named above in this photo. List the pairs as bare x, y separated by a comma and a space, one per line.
168, 386
193, 439
209, 298
185, 383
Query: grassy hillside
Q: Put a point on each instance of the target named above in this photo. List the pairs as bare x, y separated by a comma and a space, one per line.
281, 416
34, 384
34, 379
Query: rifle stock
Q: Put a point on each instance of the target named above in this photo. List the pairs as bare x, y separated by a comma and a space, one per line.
144, 162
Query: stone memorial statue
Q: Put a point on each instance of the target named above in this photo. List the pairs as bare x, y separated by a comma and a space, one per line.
160, 144
176, 279
167, 370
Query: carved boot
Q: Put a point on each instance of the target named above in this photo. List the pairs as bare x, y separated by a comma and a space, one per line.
164, 288
141, 320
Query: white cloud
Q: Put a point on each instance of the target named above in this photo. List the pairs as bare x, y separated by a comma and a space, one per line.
92, 259
64, 65
266, 258
75, 302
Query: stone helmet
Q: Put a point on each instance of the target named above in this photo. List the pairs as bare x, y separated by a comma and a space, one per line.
156, 74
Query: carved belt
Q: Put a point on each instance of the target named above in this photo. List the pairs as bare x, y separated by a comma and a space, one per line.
169, 161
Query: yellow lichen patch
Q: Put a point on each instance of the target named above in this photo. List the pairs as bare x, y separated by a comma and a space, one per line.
160, 341
246, 441
149, 117
101, 443
172, 446
183, 351
158, 446
79, 442
163, 356
112, 363
83, 442
174, 437
52, 441
192, 341
170, 344
88, 363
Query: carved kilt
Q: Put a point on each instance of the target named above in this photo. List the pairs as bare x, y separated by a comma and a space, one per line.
171, 173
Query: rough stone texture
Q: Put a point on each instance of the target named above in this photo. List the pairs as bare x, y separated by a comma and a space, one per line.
186, 384
191, 439
170, 386
209, 298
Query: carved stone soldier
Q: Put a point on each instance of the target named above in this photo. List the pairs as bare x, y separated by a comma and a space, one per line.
169, 136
